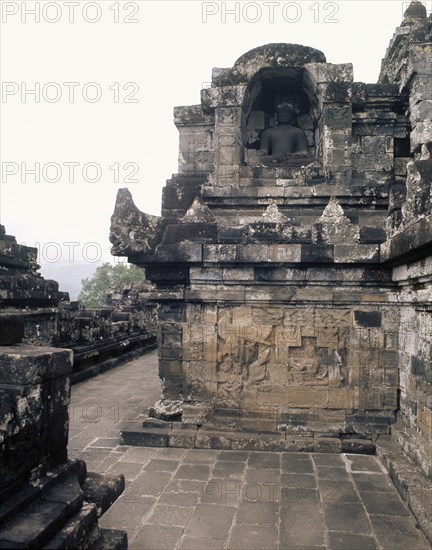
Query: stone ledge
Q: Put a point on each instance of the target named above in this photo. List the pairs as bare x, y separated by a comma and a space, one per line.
411, 243
176, 434
24, 364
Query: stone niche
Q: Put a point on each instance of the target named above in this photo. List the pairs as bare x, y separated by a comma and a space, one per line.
276, 314
243, 99
266, 89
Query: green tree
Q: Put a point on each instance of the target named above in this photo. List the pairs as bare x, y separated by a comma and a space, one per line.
94, 289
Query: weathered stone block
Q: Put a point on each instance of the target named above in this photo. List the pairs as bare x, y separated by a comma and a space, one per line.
220, 253
337, 118
335, 92
182, 436
205, 274
420, 90
133, 434
356, 253
299, 444
421, 112
374, 162
11, 331
285, 253
196, 232
327, 445
238, 274
374, 144
422, 133
181, 252
31, 365
317, 253
190, 115
389, 359
358, 446
372, 235
328, 72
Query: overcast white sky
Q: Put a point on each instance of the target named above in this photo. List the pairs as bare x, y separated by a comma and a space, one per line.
166, 57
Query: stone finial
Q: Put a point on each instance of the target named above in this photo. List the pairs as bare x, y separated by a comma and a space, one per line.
416, 10
272, 214
198, 212
333, 213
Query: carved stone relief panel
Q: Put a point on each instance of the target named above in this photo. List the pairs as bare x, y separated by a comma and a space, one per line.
254, 350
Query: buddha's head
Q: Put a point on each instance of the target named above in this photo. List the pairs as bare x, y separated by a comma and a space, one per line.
284, 112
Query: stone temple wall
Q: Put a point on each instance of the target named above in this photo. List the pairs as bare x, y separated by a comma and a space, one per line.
413, 430
288, 317
409, 248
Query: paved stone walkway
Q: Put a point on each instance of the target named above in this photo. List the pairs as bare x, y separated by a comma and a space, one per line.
181, 499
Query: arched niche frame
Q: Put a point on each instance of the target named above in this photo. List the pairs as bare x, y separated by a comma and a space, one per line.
266, 88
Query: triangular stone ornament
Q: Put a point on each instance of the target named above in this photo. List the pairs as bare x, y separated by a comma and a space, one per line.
272, 214
336, 228
333, 213
198, 212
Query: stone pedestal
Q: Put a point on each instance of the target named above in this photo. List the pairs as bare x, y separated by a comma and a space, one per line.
276, 322
285, 303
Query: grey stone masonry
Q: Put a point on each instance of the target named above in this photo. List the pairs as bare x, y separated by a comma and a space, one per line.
47, 500
261, 263
294, 284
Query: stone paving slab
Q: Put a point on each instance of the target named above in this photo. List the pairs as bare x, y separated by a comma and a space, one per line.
186, 499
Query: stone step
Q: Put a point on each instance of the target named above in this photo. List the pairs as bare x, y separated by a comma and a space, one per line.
61, 511
44, 515
77, 528
35, 525
17, 503
136, 435
80, 527
62, 479
216, 437
358, 446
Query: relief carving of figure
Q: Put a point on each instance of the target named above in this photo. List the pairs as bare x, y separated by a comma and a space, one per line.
257, 371
229, 380
304, 364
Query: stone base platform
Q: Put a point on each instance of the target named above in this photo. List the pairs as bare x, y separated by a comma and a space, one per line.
414, 488
60, 509
152, 432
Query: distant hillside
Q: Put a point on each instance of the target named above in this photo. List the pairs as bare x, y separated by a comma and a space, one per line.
68, 275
